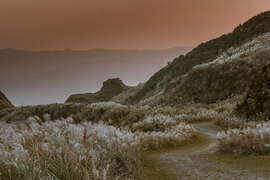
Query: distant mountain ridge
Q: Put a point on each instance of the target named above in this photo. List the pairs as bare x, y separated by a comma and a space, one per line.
36, 77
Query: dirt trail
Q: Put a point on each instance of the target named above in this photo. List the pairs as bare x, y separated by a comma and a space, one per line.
191, 162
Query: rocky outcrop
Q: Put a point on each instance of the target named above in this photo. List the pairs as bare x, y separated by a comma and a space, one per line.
4, 102
110, 88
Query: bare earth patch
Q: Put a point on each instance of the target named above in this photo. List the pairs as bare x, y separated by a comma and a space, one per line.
199, 161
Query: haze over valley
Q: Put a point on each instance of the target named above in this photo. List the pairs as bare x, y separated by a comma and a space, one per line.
41, 77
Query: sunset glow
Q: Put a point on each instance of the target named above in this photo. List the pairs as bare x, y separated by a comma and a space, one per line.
119, 24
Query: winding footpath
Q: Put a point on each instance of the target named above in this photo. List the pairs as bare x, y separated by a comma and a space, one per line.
192, 162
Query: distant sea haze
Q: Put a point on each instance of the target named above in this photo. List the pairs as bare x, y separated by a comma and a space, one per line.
42, 77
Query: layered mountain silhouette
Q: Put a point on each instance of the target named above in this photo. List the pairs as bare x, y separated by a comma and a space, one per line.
235, 64
36, 77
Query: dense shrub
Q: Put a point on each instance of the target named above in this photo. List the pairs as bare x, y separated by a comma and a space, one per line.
256, 103
109, 112
249, 141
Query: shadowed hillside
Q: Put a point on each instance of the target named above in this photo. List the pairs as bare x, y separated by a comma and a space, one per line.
256, 102
170, 76
4, 102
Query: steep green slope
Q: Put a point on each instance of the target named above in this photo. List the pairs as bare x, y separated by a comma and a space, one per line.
215, 82
204, 53
110, 88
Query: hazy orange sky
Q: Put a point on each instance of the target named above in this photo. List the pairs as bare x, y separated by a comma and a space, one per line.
126, 24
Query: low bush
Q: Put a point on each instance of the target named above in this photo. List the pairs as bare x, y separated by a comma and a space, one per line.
227, 121
202, 115
248, 141
47, 148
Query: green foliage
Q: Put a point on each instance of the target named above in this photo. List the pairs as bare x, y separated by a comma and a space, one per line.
116, 115
56, 111
256, 103
214, 83
246, 144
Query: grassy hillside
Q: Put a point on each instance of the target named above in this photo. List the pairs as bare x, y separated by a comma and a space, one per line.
212, 83
204, 53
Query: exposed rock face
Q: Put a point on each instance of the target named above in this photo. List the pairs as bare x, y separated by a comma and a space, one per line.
4, 102
110, 88
175, 75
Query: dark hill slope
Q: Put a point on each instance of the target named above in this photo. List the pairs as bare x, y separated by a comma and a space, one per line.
4, 102
256, 103
212, 83
204, 53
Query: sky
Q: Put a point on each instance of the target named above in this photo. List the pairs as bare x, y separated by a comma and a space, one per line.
119, 24
109, 24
